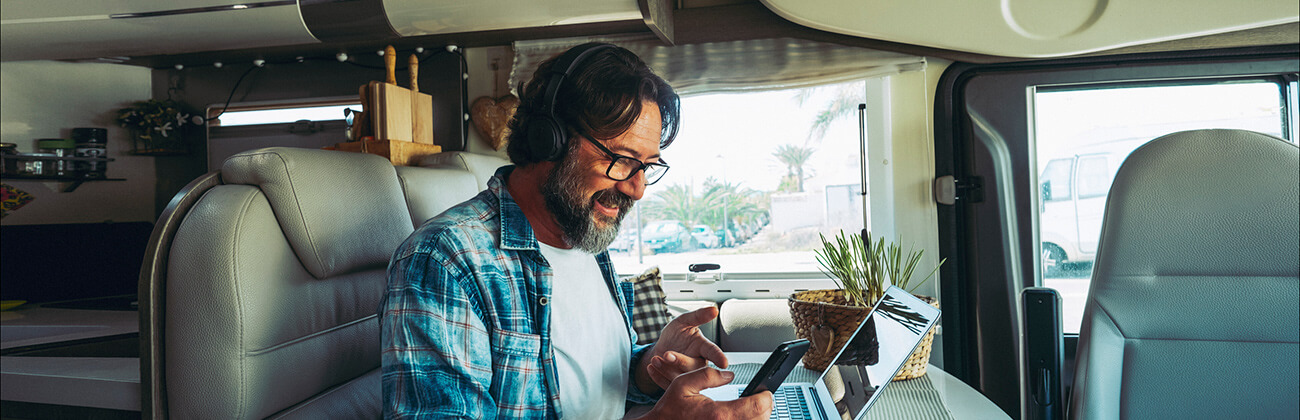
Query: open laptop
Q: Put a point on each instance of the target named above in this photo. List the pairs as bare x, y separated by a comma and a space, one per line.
854, 379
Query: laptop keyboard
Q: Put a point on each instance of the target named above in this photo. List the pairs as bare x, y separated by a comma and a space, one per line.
788, 404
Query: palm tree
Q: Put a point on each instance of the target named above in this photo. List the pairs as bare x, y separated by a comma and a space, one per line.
720, 203
725, 201
672, 203
846, 100
794, 158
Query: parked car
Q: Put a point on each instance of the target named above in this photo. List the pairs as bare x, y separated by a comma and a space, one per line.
668, 236
705, 236
624, 242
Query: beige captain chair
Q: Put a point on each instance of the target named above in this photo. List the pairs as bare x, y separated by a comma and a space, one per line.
1192, 311
261, 284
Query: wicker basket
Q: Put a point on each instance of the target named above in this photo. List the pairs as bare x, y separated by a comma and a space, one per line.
915, 366
815, 312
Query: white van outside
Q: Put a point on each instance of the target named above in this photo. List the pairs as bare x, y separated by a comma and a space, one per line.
1072, 195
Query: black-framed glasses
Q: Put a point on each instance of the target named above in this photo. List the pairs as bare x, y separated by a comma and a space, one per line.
622, 168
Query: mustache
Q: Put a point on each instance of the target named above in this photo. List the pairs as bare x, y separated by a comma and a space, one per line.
613, 198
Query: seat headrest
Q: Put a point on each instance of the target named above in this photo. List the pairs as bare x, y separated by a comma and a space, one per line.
1205, 202
340, 211
482, 166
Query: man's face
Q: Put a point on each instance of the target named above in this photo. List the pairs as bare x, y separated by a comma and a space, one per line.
586, 203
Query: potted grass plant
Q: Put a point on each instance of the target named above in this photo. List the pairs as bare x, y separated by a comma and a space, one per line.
862, 268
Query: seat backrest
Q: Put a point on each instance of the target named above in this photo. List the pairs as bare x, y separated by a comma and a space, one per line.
264, 303
1192, 311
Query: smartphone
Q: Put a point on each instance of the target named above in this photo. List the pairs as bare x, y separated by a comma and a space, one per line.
777, 367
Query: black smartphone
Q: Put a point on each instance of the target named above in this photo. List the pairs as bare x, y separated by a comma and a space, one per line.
777, 367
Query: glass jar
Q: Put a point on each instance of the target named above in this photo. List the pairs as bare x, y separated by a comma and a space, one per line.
35, 164
9, 150
90, 142
59, 148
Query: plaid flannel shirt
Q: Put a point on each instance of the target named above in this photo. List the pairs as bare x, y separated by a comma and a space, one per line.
465, 321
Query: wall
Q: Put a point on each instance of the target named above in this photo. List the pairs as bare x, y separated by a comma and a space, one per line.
46, 99
489, 70
910, 166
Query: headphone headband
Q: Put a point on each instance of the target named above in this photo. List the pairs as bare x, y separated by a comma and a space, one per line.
569, 62
547, 137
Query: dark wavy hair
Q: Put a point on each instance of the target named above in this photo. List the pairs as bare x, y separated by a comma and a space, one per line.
600, 100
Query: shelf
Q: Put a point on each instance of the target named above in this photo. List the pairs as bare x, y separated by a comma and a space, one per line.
65, 158
76, 182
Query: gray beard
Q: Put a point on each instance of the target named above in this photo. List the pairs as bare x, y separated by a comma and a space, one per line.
574, 213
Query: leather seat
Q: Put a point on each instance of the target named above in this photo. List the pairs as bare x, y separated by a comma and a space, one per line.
260, 288
1192, 311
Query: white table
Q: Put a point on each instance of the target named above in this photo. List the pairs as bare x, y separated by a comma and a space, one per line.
960, 401
98, 382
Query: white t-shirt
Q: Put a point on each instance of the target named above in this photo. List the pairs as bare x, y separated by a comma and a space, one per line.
590, 338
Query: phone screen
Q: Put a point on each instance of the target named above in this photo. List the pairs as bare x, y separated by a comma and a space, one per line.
777, 367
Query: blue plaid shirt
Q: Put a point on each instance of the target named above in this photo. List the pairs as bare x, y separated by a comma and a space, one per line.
465, 321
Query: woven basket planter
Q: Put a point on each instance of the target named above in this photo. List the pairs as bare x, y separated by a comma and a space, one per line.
826, 320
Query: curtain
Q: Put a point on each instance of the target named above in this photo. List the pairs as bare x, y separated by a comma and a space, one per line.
751, 65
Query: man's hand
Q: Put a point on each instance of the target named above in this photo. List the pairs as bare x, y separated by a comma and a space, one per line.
682, 400
681, 348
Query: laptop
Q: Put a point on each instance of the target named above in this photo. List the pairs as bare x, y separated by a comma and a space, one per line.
856, 376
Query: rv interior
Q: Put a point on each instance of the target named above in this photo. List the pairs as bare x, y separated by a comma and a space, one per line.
197, 221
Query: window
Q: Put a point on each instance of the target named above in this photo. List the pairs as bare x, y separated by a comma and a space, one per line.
755, 178
254, 115
1094, 129
311, 124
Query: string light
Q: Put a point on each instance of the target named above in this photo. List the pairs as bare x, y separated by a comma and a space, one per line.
180, 66
217, 64
341, 57
259, 62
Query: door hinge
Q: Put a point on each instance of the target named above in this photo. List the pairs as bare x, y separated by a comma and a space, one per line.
949, 190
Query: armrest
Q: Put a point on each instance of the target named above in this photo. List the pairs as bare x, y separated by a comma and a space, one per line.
1043, 348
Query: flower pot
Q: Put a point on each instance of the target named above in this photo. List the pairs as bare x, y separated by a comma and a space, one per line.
155, 143
826, 320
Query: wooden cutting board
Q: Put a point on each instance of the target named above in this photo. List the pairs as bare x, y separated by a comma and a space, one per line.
392, 116
421, 107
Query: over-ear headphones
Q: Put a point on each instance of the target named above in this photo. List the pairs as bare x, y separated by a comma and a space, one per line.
547, 138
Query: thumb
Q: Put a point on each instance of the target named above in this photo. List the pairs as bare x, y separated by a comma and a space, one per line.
698, 317
703, 378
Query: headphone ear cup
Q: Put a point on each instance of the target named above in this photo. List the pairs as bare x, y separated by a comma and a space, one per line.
546, 138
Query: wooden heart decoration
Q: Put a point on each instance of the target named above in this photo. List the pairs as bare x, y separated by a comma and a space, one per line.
491, 117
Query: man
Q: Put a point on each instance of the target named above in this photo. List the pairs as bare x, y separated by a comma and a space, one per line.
506, 306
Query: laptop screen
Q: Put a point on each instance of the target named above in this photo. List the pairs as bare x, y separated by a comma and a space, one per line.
878, 349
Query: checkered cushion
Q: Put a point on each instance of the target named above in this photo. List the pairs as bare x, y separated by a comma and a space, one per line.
649, 310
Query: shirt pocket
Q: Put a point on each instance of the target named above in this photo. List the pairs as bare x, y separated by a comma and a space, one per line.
518, 379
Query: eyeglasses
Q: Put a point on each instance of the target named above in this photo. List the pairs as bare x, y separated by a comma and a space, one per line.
622, 168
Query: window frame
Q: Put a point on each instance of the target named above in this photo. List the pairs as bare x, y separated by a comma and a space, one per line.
983, 119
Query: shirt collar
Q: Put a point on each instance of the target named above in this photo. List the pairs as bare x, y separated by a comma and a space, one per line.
516, 232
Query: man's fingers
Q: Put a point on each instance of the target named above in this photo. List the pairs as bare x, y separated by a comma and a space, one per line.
659, 377
754, 406
683, 362
713, 353
704, 378
697, 317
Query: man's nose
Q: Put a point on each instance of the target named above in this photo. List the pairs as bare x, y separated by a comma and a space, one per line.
634, 187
